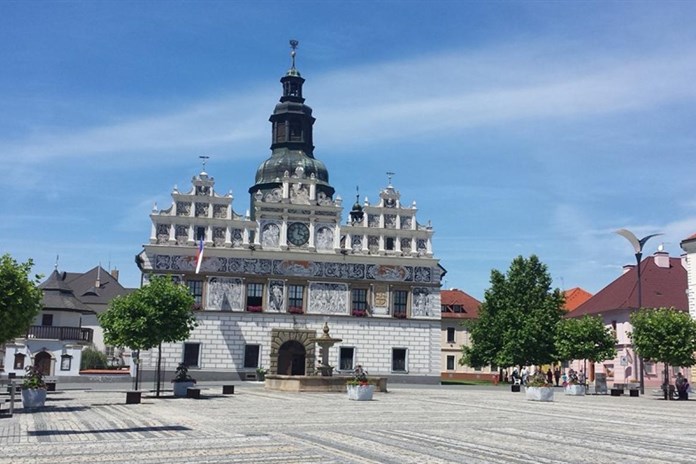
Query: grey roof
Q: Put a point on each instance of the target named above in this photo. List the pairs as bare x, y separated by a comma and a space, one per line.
57, 295
74, 291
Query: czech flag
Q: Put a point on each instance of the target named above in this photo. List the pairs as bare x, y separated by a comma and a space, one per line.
199, 256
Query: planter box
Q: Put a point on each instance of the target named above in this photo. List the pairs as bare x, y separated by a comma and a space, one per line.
181, 387
33, 398
539, 393
515, 388
133, 397
575, 390
360, 392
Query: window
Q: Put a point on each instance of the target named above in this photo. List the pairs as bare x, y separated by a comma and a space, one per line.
477, 369
251, 355
19, 361
200, 233
196, 289
254, 295
450, 363
398, 359
359, 296
345, 358
400, 300
295, 297
65, 362
457, 309
390, 243
443, 308
450, 334
613, 327
47, 319
192, 353
648, 368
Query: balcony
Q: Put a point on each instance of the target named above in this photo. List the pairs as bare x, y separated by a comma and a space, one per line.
49, 332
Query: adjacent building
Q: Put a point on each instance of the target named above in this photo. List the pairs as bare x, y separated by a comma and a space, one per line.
457, 307
664, 284
67, 323
271, 277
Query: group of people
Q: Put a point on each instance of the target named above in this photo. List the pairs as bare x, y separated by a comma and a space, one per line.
521, 377
682, 386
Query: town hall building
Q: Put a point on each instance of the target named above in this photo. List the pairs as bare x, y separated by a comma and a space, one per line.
272, 277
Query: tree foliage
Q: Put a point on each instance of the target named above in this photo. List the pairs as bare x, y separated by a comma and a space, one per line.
664, 335
20, 298
157, 313
585, 338
517, 319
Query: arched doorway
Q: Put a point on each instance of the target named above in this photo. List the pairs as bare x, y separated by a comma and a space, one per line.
291, 358
42, 361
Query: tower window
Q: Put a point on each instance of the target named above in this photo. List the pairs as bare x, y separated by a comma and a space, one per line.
200, 233
390, 243
295, 133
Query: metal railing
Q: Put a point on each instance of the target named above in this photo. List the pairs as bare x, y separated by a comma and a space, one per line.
50, 332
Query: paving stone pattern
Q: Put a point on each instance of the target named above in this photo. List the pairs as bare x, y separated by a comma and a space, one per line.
408, 425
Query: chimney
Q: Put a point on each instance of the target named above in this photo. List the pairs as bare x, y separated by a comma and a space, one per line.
628, 268
97, 284
661, 257
684, 262
114, 274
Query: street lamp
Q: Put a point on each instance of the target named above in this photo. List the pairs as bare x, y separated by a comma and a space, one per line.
638, 247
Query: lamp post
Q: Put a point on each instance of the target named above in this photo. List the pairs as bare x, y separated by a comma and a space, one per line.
638, 247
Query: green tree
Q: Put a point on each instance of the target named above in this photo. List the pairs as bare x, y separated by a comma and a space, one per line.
20, 298
585, 338
664, 335
517, 319
160, 312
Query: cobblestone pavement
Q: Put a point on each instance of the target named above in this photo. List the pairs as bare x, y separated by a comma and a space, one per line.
408, 425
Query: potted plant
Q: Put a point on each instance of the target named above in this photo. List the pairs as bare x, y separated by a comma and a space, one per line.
182, 381
33, 388
261, 374
539, 388
358, 387
574, 387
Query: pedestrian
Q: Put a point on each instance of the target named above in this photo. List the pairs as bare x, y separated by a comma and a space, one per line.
557, 374
515, 376
549, 376
525, 375
682, 386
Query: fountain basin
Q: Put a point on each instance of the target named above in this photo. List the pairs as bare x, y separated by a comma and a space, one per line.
316, 383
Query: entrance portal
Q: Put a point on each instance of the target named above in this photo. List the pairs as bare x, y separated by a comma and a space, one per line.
291, 358
42, 361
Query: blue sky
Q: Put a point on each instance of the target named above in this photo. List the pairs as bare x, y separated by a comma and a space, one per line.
517, 127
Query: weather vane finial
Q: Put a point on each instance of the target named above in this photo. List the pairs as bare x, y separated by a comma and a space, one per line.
293, 44
205, 160
389, 177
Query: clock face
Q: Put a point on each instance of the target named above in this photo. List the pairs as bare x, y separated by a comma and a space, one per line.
389, 202
298, 234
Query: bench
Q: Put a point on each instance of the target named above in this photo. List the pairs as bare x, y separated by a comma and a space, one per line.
228, 389
133, 397
192, 392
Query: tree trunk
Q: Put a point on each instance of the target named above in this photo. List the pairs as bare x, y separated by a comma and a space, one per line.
137, 369
159, 367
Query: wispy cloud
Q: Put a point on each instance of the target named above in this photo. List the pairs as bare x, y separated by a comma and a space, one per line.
423, 95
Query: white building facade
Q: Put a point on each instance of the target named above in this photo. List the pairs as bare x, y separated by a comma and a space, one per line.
269, 279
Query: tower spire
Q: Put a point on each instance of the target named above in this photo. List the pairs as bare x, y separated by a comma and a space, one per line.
205, 160
293, 70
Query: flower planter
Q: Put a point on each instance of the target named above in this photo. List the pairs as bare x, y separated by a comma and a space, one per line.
181, 387
575, 390
539, 393
360, 392
33, 397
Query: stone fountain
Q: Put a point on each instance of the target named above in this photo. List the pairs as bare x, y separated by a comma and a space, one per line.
325, 342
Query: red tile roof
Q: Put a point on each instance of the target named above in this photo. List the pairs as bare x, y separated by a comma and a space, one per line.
575, 297
661, 287
454, 297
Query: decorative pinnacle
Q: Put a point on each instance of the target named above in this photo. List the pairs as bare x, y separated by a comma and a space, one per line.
357, 194
389, 177
293, 44
205, 160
